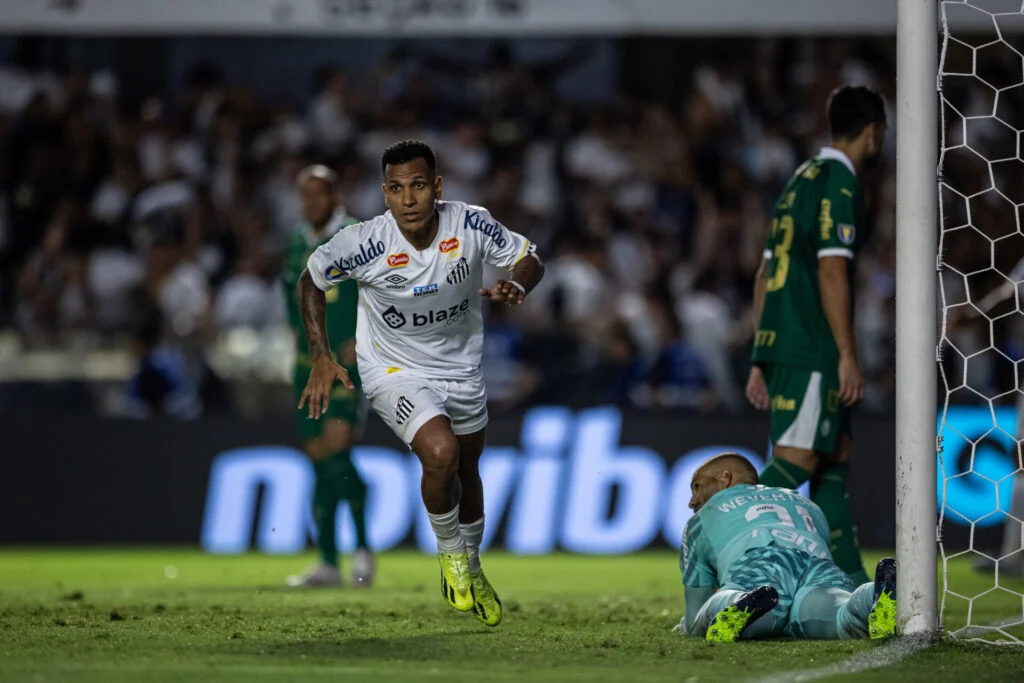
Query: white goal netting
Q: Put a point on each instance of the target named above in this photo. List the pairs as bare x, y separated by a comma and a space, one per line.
981, 263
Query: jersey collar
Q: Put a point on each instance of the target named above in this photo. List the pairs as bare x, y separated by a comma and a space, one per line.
836, 155
731, 491
336, 223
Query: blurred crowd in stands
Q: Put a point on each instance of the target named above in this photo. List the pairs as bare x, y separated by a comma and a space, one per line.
161, 227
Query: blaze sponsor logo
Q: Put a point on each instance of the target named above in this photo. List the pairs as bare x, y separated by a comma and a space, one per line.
393, 317
398, 260
475, 221
346, 264
449, 245
448, 316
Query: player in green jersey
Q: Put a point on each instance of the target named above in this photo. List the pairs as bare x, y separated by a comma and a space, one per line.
756, 564
805, 355
328, 440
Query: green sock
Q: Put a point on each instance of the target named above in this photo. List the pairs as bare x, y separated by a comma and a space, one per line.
352, 489
325, 507
783, 474
831, 496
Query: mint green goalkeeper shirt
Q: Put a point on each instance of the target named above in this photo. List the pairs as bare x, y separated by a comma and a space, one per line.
739, 519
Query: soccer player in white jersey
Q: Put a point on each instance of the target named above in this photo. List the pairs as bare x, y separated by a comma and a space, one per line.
419, 342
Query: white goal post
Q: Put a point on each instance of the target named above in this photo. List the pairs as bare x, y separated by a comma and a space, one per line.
916, 284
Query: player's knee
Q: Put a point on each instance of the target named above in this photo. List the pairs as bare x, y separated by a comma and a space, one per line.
440, 457
807, 459
316, 450
337, 436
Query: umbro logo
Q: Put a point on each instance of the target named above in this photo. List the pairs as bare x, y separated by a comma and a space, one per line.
403, 410
397, 281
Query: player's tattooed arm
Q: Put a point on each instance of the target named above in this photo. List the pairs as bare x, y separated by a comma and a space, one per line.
313, 304
525, 276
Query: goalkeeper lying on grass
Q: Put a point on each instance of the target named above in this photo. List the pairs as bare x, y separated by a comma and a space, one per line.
756, 564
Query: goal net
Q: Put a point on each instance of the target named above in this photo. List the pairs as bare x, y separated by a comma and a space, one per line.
981, 268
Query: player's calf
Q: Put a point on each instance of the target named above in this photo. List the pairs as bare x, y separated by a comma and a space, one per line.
438, 451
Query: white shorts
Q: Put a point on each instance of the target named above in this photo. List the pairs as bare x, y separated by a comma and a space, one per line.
406, 402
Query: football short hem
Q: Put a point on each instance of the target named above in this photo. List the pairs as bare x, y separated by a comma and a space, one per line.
410, 430
471, 426
805, 414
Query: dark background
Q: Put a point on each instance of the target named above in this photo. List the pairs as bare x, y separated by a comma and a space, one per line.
69, 480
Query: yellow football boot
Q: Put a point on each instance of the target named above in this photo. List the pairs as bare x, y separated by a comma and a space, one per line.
456, 586
486, 603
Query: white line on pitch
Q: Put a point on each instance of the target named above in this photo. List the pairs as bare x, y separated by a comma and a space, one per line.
875, 658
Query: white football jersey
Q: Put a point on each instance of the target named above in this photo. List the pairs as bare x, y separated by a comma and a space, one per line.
419, 311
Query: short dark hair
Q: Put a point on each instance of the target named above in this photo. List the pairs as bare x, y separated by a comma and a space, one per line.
853, 107
408, 150
736, 463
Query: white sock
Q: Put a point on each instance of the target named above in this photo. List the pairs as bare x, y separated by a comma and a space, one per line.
473, 533
446, 528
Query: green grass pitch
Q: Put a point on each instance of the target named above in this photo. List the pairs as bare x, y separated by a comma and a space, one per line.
161, 615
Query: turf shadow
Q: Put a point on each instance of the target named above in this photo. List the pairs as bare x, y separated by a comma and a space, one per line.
436, 645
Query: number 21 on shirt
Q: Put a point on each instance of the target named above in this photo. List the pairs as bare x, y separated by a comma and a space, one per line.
783, 514
794, 537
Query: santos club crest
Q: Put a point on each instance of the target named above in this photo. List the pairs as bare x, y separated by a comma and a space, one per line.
457, 271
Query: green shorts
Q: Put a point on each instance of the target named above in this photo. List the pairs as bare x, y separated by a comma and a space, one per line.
346, 405
806, 412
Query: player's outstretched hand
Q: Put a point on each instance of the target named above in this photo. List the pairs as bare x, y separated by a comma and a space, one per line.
757, 390
317, 393
504, 292
851, 380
